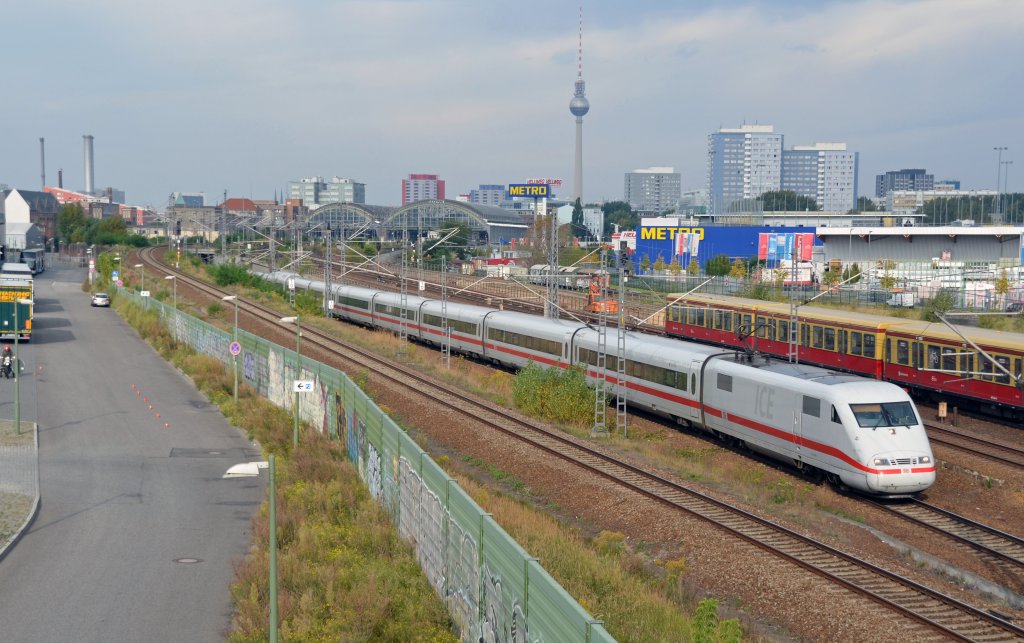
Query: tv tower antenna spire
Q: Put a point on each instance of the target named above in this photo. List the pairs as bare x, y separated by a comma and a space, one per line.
579, 106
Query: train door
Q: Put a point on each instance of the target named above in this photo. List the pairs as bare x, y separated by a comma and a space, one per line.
694, 409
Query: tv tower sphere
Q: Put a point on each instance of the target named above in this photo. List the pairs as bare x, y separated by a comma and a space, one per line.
579, 105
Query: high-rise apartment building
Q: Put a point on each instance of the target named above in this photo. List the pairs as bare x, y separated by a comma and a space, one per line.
493, 194
314, 191
743, 163
908, 179
653, 190
746, 162
422, 186
825, 172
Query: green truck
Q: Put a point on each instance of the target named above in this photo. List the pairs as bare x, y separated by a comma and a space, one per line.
16, 307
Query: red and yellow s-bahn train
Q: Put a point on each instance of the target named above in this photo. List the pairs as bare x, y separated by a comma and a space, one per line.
927, 358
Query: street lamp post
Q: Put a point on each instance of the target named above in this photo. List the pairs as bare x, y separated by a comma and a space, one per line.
17, 364
175, 281
142, 278
234, 338
298, 372
999, 171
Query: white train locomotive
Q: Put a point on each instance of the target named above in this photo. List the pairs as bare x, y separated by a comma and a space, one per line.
855, 432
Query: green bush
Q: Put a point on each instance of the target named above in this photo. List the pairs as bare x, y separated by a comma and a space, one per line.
554, 394
943, 301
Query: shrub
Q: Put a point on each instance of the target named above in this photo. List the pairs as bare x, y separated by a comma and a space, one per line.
554, 394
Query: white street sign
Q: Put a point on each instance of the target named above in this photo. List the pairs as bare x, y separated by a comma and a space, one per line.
144, 293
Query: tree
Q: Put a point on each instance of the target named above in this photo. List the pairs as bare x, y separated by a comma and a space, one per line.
659, 264
645, 263
618, 212
718, 266
738, 269
71, 223
865, 204
693, 269
577, 220
852, 273
786, 201
675, 268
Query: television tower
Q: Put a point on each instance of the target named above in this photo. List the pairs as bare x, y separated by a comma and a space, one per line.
579, 106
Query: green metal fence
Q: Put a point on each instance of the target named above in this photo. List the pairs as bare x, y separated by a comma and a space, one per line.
495, 591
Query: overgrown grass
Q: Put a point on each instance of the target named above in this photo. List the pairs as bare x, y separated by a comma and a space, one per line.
344, 572
562, 395
635, 602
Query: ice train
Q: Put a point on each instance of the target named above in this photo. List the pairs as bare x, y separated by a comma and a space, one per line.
854, 432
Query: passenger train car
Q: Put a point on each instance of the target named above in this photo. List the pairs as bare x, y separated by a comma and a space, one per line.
928, 358
857, 433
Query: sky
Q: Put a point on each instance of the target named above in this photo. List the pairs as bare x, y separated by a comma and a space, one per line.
224, 95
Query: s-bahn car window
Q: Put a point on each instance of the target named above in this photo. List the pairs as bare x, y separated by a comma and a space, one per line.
869, 345
727, 321
819, 337
855, 345
985, 366
718, 319
805, 334
948, 358
700, 317
842, 341
830, 339
1002, 377
933, 357
885, 414
967, 364
902, 352
784, 331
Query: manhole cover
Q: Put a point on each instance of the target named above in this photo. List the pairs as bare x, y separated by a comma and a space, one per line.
188, 561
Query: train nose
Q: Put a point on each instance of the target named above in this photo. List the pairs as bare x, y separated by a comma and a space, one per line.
901, 473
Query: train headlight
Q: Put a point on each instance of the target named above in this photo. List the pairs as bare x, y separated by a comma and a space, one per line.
881, 462
925, 459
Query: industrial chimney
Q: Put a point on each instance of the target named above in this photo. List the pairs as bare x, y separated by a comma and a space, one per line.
87, 143
60, 178
42, 161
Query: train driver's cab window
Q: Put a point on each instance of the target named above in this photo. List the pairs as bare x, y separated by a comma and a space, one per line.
886, 414
835, 415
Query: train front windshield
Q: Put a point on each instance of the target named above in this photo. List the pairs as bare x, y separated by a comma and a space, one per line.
885, 414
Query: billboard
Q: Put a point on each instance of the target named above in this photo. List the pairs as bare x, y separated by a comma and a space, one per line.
533, 190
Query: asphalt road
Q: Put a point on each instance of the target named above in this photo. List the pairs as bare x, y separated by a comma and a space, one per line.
129, 499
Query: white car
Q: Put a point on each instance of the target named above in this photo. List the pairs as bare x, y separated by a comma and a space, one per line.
101, 299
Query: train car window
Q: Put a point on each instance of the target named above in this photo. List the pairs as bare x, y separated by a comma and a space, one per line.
855, 343
903, 352
888, 350
718, 320
805, 334
819, 337
355, 303
948, 359
812, 406
933, 357
693, 383
727, 321
784, 331
967, 364
916, 354
769, 330
842, 341
1001, 377
830, 339
986, 368
869, 345
691, 316
700, 318
725, 382
1017, 371
747, 319
761, 329
835, 415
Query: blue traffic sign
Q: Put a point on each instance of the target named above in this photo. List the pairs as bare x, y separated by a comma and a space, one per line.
235, 348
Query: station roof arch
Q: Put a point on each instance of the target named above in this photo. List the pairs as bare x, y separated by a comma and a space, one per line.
486, 221
352, 219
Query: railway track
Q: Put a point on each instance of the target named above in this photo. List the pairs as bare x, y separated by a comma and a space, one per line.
1001, 551
941, 617
975, 445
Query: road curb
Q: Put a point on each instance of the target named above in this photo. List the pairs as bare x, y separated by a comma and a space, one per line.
35, 503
